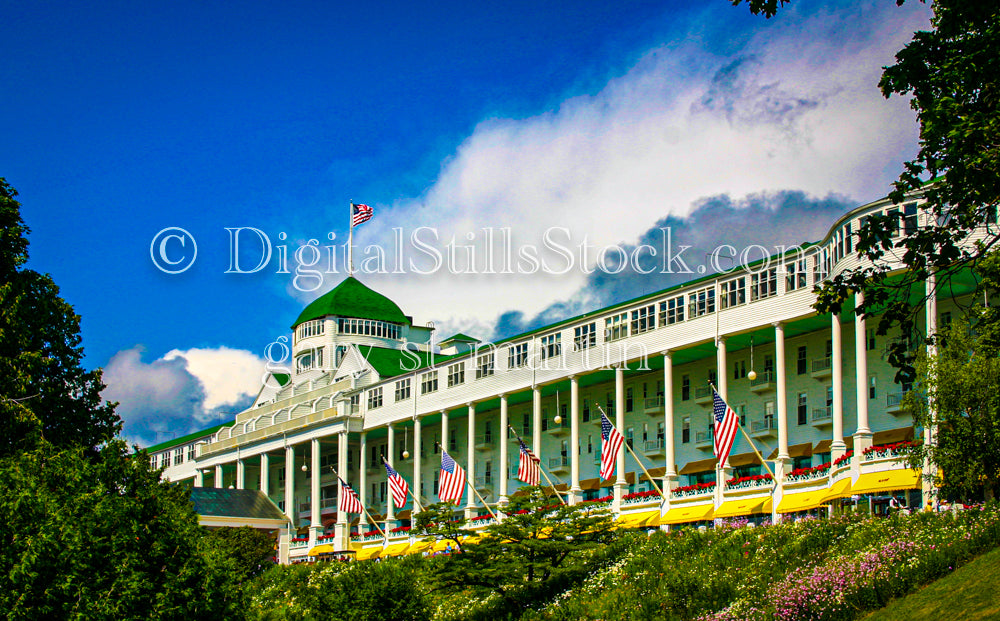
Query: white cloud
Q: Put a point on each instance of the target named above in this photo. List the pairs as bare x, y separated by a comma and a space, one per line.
797, 107
181, 392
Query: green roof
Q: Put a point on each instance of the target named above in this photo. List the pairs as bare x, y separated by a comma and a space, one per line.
461, 338
393, 362
352, 299
185, 439
282, 378
234, 503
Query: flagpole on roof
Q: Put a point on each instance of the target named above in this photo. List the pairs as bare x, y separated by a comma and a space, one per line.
542, 470
385, 538
350, 239
634, 456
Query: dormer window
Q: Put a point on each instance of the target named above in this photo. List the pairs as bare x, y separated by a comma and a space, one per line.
309, 360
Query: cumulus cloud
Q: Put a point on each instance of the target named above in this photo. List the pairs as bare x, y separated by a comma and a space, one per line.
795, 107
180, 393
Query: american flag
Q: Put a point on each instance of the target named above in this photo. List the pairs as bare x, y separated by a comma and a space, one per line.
527, 467
452, 483
348, 501
726, 424
397, 484
611, 443
361, 213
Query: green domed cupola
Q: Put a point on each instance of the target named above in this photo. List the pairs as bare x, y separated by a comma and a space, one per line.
352, 299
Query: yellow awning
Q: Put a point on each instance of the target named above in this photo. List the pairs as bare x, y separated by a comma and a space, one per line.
688, 513
442, 544
888, 480
803, 501
395, 549
368, 553
745, 506
421, 546
324, 548
638, 520
838, 490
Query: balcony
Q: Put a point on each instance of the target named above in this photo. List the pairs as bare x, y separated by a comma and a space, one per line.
654, 448
764, 382
894, 403
484, 482
704, 440
822, 417
559, 464
558, 430
703, 395
764, 428
653, 405
821, 367
485, 442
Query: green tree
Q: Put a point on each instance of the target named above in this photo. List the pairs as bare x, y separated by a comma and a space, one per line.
44, 390
102, 537
952, 73
440, 521
250, 551
537, 544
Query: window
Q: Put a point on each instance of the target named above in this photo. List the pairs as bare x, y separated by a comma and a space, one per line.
437, 480
672, 311
909, 218
630, 437
586, 410
178, 456
312, 359
872, 393
309, 328
428, 382
685, 430
795, 275
403, 389
369, 327
526, 424
545, 420
437, 443
685, 388
661, 432
945, 319
803, 408
456, 374
484, 365
820, 270
375, 398
616, 327
551, 345
848, 238
165, 459
733, 292
768, 412
453, 440
590, 443
644, 319
629, 400
739, 369
701, 302
517, 355
870, 339
763, 284
585, 336
802, 366
191, 452
768, 365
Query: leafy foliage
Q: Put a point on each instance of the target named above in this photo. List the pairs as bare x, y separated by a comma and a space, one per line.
101, 537
440, 521
250, 551
44, 390
959, 391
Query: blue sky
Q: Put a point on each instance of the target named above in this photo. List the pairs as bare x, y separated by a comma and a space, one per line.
608, 120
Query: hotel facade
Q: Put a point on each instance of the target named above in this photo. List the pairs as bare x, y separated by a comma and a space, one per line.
814, 392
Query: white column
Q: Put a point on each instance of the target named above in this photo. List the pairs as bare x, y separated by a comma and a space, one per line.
721, 376
470, 501
576, 492
290, 485
837, 448
620, 480
861, 364
504, 434
241, 474
930, 432
444, 429
363, 478
670, 475
219, 483
342, 529
417, 462
315, 505
780, 371
536, 425
390, 512
265, 471
199, 478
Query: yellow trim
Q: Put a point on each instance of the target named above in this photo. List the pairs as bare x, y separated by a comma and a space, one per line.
838, 490
688, 513
396, 549
885, 481
323, 548
638, 520
802, 501
746, 506
367, 553
421, 546
442, 544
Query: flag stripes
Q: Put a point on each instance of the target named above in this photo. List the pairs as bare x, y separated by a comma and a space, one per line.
527, 468
397, 484
611, 443
347, 500
451, 485
361, 213
726, 425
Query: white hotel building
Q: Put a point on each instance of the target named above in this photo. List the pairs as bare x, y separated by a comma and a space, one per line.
811, 390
